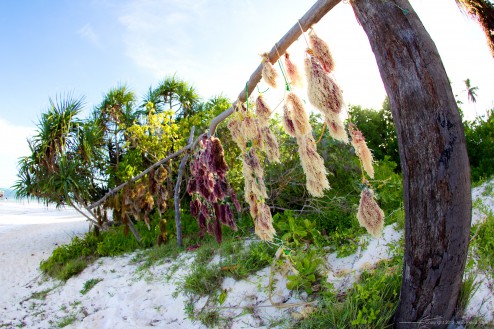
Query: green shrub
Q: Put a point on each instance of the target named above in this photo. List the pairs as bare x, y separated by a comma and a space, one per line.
89, 284
479, 135
370, 303
307, 265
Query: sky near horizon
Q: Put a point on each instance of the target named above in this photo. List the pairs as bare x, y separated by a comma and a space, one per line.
86, 47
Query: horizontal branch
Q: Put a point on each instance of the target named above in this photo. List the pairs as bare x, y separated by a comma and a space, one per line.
311, 17
121, 186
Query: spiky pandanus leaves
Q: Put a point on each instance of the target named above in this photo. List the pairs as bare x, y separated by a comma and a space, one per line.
292, 72
361, 149
209, 189
313, 165
269, 73
483, 12
370, 215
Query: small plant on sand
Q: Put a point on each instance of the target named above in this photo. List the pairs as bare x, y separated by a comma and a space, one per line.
89, 284
67, 320
370, 303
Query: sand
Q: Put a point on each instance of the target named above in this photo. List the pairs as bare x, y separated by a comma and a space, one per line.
127, 297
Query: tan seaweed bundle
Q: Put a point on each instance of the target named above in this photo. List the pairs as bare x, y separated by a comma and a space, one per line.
369, 214
255, 194
361, 149
250, 126
270, 144
313, 165
288, 122
263, 111
297, 114
292, 72
235, 127
269, 74
322, 90
321, 51
337, 129
264, 223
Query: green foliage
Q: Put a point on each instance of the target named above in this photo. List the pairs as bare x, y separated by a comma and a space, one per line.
378, 129
117, 242
370, 303
41, 295
467, 290
89, 284
296, 231
66, 321
483, 242
479, 135
71, 259
307, 265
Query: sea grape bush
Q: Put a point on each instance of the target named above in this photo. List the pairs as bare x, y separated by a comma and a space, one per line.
209, 189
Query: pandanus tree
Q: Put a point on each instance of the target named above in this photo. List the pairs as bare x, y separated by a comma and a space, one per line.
176, 95
115, 113
58, 169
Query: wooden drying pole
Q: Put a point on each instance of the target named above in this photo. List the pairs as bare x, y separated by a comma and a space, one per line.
311, 17
176, 196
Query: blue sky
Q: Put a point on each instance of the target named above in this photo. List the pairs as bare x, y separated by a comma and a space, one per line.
86, 47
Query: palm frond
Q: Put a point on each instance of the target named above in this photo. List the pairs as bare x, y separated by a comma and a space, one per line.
483, 12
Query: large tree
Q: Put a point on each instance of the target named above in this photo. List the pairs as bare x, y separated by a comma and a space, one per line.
434, 162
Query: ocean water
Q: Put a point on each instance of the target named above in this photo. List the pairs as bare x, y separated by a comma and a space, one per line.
15, 213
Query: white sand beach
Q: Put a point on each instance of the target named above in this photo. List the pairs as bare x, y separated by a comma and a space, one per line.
127, 297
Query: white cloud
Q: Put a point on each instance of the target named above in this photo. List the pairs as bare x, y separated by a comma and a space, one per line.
13, 141
215, 44
87, 32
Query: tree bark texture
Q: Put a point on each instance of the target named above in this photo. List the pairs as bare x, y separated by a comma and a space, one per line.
433, 156
176, 194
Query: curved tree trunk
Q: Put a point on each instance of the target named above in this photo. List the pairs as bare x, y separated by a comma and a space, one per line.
436, 172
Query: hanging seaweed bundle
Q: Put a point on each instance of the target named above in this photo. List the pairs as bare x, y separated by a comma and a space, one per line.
209, 189
292, 72
263, 111
323, 91
295, 110
255, 192
337, 129
361, 149
296, 124
269, 73
321, 51
313, 165
370, 215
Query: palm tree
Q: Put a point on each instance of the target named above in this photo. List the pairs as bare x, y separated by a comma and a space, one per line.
58, 169
54, 129
178, 95
116, 113
483, 12
471, 91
